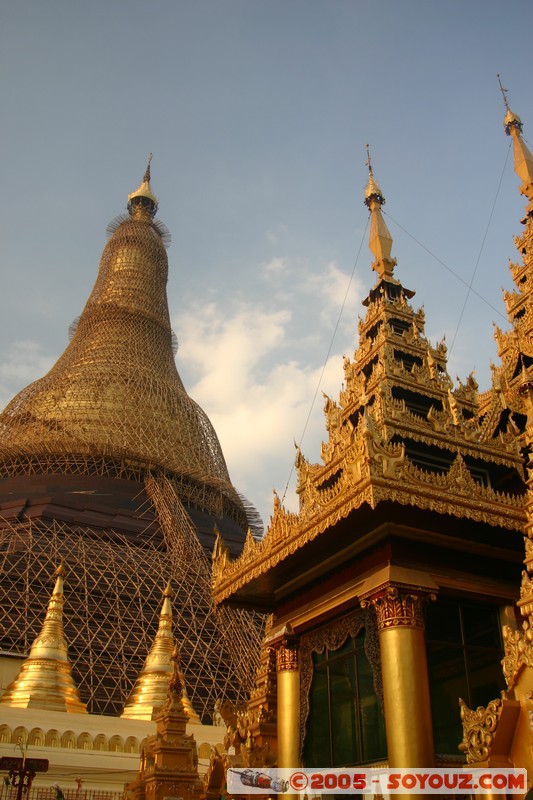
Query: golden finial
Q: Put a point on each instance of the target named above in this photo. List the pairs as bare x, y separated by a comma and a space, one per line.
380, 239
142, 203
60, 571
503, 91
372, 189
523, 159
511, 120
146, 178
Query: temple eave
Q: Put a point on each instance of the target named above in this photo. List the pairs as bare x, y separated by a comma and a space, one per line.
242, 581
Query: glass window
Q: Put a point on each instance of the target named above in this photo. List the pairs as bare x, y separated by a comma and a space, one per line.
345, 724
464, 652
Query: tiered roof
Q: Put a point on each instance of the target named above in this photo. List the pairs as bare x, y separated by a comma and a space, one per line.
399, 433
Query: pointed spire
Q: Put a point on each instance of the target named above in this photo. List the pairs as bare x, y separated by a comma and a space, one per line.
523, 159
142, 202
115, 393
380, 239
151, 687
45, 678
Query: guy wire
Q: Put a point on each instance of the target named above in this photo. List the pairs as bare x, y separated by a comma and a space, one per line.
319, 382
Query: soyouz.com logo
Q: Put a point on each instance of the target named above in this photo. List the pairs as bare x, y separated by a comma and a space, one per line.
376, 781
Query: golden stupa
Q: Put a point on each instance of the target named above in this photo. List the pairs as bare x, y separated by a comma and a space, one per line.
45, 679
151, 687
108, 463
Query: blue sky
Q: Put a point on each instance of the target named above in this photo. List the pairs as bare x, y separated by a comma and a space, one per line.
257, 114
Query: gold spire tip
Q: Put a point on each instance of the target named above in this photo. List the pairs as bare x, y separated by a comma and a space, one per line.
368, 161
372, 191
168, 591
511, 120
146, 178
503, 91
143, 197
60, 571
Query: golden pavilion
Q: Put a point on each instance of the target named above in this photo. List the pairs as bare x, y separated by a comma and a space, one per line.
398, 609
392, 592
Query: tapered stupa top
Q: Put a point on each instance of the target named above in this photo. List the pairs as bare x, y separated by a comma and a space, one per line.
523, 159
45, 678
142, 201
151, 687
380, 239
115, 393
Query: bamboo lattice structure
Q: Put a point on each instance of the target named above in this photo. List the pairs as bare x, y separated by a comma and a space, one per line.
108, 464
112, 599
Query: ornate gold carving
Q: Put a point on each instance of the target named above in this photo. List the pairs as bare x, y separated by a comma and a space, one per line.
479, 727
322, 509
287, 652
397, 389
397, 609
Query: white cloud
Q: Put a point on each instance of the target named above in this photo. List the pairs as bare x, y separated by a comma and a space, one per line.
275, 267
275, 234
257, 394
24, 361
338, 293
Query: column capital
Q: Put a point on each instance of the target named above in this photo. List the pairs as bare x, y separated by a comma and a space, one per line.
396, 608
398, 596
285, 643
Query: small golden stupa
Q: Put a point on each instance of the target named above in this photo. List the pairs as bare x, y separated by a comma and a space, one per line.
45, 678
151, 688
169, 760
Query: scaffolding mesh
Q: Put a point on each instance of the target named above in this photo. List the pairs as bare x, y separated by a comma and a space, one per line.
113, 594
113, 409
115, 391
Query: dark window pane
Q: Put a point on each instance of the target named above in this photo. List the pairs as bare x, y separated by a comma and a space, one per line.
443, 623
481, 626
343, 651
357, 731
344, 733
466, 666
447, 682
485, 676
372, 721
317, 740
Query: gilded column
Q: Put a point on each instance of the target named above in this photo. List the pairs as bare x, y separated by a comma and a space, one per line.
405, 676
288, 680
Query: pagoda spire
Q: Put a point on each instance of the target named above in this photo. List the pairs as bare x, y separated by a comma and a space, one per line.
169, 760
523, 159
45, 678
116, 393
150, 690
142, 202
380, 239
